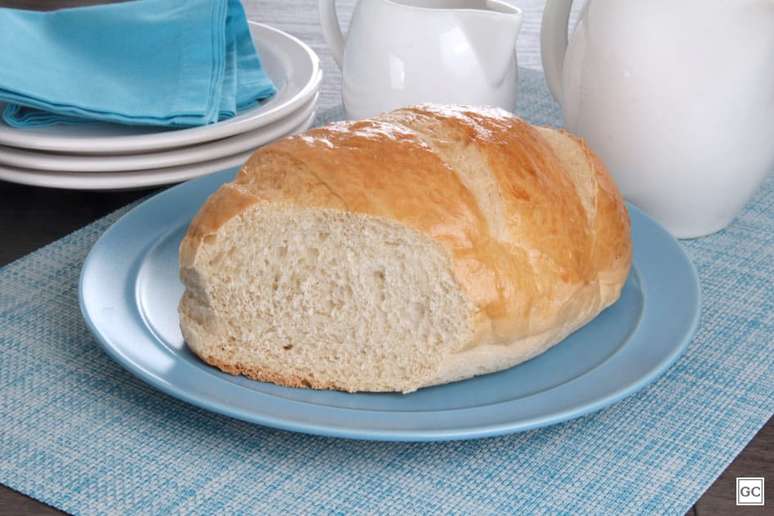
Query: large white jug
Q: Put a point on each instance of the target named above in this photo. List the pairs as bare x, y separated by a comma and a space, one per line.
677, 97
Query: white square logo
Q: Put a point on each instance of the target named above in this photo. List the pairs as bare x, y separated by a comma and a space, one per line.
749, 491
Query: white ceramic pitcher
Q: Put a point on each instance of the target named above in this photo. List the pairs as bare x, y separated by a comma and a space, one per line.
403, 52
677, 97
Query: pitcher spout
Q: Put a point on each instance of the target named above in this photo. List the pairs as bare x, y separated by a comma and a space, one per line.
492, 34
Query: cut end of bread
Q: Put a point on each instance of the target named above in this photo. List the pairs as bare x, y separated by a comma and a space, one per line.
323, 299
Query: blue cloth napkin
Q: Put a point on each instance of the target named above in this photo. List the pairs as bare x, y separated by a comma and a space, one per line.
147, 62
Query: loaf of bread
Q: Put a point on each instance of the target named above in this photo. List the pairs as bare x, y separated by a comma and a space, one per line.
424, 246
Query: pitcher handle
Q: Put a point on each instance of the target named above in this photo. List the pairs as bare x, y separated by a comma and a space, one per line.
553, 43
331, 30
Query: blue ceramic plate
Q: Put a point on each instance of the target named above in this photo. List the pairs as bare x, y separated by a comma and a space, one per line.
130, 289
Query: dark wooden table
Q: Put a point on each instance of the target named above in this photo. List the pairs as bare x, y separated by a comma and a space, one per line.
33, 217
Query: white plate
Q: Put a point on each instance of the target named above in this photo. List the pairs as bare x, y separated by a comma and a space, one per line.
292, 65
129, 180
179, 156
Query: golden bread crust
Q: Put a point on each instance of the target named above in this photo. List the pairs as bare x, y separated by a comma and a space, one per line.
533, 240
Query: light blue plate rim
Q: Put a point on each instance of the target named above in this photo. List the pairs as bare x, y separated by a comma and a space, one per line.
670, 286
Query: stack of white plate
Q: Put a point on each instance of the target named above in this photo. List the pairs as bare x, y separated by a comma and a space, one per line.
99, 156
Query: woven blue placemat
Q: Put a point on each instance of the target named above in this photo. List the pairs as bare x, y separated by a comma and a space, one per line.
80, 433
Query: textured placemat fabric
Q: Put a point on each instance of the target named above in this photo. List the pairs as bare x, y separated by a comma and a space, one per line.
80, 433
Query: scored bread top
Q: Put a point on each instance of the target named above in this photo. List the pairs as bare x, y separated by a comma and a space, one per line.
528, 215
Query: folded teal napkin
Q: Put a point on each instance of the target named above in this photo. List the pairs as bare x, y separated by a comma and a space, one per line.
148, 62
